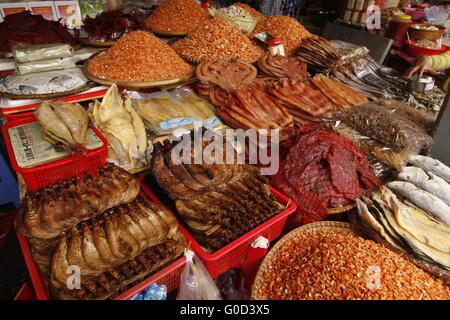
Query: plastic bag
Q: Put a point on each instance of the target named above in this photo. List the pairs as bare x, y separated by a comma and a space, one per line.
387, 126
196, 283
45, 65
231, 284
152, 292
36, 52
44, 82
238, 17
423, 119
370, 147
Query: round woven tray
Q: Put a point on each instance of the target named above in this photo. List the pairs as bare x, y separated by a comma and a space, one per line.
341, 209
47, 95
101, 44
169, 33
137, 84
341, 227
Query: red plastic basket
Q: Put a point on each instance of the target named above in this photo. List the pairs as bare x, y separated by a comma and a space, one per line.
48, 173
233, 254
415, 51
168, 276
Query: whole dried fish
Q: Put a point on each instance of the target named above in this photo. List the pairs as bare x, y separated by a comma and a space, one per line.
422, 199
430, 164
426, 181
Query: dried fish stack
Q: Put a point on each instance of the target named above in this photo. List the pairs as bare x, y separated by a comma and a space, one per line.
124, 129
319, 54
218, 202
98, 225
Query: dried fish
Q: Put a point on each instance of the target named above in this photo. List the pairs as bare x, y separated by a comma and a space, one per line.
422, 199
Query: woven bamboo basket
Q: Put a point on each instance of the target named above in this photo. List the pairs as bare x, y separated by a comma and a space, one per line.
342, 227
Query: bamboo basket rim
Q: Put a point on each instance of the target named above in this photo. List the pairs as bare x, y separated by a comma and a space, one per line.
97, 43
48, 95
343, 227
341, 209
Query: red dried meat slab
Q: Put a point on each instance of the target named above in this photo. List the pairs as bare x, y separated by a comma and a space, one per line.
343, 172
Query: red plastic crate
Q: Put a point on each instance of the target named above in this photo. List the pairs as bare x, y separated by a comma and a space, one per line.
48, 173
168, 276
232, 255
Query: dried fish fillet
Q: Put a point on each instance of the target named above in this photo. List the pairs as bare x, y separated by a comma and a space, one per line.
63, 122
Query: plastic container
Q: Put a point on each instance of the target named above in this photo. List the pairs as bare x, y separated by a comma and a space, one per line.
398, 27
415, 51
233, 254
48, 173
169, 275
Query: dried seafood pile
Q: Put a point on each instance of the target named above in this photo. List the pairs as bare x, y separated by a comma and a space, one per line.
112, 247
216, 39
306, 267
250, 107
26, 28
46, 213
412, 214
218, 202
283, 67
286, 28
180, 16
322, 170
62, 122
124, 129
111, 25
318, 53
241, 101
309, 101
139, 56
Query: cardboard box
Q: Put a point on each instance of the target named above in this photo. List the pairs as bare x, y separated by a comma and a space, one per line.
69, 12
46, 9
13, 7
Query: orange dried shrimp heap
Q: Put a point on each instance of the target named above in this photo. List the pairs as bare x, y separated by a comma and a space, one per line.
177, 16
214, 40
139, 56
255, 13
327, 265
286, 28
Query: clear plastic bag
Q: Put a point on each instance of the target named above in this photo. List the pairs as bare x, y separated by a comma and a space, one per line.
423, 119
37, 52
370, 147
45, 65
387, 126
195, 282
238, 17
